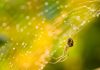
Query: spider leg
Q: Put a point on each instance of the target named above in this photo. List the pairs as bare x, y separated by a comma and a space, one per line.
60, 58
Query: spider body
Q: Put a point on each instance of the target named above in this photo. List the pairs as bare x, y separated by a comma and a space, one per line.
62, 58
70, 42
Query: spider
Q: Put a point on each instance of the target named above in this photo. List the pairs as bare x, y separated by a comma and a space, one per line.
70, 42
62, 58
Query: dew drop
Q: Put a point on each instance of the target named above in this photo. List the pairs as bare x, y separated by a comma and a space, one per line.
8, 27
66, 6
63, 15
43, 22
57, 2
24, 44
28, 3
37, 27
83, 23
27, 17
61, 6
75, 27
98, 13
17, 44
14, 48
4, 24
33, 18
21, 30
29, 23
46, 3
78, 18
17, 26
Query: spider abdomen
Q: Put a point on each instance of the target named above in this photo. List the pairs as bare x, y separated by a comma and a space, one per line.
70, 42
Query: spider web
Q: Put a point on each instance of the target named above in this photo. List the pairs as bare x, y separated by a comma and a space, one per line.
76, 23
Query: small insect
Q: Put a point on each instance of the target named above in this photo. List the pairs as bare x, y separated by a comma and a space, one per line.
62, 58
70, 42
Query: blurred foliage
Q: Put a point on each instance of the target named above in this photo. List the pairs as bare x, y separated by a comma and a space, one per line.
33, 32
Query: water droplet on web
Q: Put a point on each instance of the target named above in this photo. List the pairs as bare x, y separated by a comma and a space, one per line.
29, 23
8, 27
42, 66
2, 54
4, 24
31, 46
61, 6
17, 44
83, 23
29, 52
29, 3
65, 21
78, 18
63, 15
37, 27
27, 17
46, 3
75, 28
17, 27
66, 6
14, 48
24, 44
92, 10
57, 2
43, 21
98, 13
21, 30
33, 18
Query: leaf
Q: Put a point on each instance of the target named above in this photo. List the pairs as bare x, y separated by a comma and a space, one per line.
38, 30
